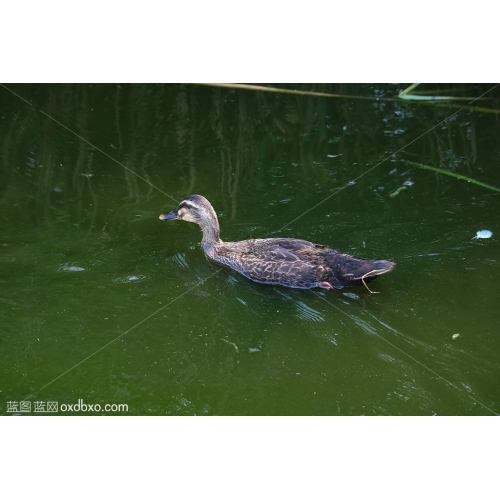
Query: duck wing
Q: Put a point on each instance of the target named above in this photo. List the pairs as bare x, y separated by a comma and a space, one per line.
278, 261
298, 263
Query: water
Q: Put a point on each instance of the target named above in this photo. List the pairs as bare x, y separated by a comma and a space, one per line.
87, 265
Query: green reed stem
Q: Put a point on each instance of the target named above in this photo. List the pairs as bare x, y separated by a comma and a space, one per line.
451, 174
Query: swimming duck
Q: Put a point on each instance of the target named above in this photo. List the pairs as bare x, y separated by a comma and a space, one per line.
278, 261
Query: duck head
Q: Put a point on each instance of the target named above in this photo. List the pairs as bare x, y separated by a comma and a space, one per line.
196, 208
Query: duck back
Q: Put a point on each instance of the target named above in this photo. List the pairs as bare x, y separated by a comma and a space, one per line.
296, 263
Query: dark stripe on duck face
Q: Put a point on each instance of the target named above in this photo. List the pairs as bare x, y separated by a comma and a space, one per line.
189, 205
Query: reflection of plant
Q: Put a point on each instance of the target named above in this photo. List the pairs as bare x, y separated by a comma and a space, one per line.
230, 137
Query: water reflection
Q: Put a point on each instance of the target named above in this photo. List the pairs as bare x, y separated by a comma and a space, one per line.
310, 129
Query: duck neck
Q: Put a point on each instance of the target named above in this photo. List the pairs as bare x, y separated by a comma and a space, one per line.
211, 234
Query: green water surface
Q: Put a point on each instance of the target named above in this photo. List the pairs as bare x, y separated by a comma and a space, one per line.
102, 302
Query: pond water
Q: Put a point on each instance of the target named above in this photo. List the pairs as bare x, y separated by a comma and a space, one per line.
102, 302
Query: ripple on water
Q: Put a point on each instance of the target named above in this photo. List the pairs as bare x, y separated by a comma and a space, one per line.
71, 268
365, 325
306, 312
180, 259
242, 301
386, 357
130, 279
231, 280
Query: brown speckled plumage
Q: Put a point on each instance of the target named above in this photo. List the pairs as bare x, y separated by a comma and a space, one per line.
278, 261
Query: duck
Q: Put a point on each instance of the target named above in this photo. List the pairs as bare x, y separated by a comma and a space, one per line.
288, 262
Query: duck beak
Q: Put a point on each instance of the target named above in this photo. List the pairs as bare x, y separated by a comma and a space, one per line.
170, 216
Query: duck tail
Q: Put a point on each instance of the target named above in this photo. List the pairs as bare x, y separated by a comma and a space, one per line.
351, 271
382, 267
